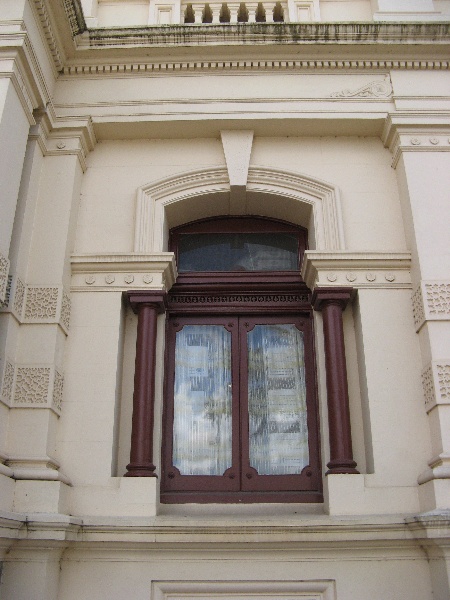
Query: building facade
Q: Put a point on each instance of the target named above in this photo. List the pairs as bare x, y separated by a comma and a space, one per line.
179, 419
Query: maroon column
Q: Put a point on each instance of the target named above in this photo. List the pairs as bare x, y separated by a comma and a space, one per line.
147, 305
332, 302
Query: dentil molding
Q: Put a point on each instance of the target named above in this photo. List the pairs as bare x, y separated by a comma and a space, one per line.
389, 270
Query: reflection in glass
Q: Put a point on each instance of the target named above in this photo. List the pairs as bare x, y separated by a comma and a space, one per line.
202, 400
277, 400
238, 252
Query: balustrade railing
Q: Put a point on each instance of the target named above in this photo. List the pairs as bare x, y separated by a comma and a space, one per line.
234, 12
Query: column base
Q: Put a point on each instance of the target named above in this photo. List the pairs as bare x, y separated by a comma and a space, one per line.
141, 470
342, 467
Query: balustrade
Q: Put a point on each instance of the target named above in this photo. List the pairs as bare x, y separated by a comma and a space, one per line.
234, 12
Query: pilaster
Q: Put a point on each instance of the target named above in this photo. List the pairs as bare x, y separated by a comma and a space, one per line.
422, 162
36, 311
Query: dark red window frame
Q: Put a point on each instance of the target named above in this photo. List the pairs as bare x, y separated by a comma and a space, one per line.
224, 298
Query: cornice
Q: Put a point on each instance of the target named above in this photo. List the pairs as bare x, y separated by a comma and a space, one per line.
388, 270
437, 33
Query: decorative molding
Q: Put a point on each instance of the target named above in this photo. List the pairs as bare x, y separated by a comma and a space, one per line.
58, 386
65, 311
44, 18
41, 303
5, 303
418, 309
145, 69
57, 137
413, 140
36, 468
390, 270
7, 381
436, 383
252, 300
75, 15
33, 386
236, 590
375, 89
431, 302
320, 198
38, 304
4, 270
439, 468
122, 272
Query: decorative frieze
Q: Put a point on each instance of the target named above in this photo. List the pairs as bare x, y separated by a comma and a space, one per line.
360, 269
32, 386
37, 303
7, 381
4, 269
436, 383
41, 303
431, 302
5, 303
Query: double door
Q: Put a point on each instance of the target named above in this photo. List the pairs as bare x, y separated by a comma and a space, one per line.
240, 417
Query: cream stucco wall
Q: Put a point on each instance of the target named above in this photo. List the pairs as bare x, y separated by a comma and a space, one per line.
108, 138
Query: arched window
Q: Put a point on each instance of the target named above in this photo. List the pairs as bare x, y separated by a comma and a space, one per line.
240, 415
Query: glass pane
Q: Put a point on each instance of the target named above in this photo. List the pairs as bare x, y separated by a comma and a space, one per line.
277, 400
202, 400
238, 252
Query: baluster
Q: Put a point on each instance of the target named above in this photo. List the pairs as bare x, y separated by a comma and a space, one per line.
268, 7
198, 11
215, 9
234, 9
252, 7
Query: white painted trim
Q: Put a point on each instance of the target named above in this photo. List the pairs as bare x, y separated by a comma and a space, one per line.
317, 196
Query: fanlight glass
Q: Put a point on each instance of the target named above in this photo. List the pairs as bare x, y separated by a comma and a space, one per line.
237, 252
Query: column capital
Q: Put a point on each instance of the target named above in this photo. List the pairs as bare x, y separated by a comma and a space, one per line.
331, 295
154, 298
